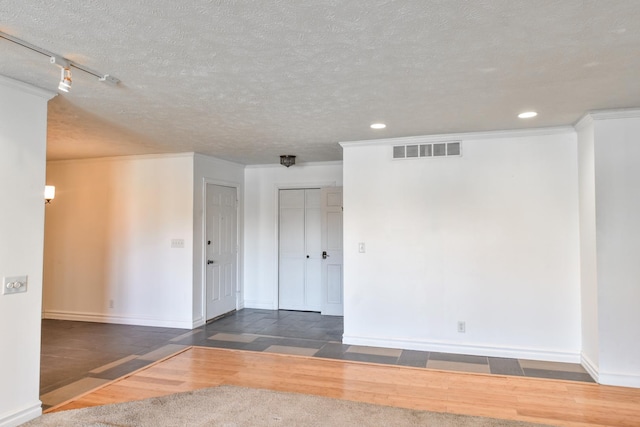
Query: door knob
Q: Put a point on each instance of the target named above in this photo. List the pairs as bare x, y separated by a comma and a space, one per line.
209, 261
324, 255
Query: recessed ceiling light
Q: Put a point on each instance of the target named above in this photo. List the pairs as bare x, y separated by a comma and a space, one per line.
378, 126
527, 115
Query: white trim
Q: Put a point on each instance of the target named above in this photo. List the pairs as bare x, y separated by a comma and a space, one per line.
21, 416
619, 380
590, 367
590, 116
197, 323
620, 113
411, 140
124, 158
260, 305
584, 121
455, 348
278, 165
26, 87
221, 161
120, 320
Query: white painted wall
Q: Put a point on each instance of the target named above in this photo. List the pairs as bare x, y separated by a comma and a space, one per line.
261, 222
216, 171
23, 129
108, 237
489, 238
588, 262
617, 198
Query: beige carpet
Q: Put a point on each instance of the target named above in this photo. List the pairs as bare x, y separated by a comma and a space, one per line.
231, 406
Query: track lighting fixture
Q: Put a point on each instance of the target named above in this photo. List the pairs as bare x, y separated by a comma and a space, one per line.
63, 63
65, 79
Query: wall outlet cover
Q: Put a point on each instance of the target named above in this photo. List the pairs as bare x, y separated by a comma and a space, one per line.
14, 285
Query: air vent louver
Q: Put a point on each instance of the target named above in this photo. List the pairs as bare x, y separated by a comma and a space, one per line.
436, 149
412, 151
398, 152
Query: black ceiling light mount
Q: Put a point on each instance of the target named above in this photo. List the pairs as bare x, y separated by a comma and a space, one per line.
287, 160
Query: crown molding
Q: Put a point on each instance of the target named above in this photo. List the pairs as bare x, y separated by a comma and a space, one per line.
515, 133
122, 158
218, 160
26, 87
591, 116
586, 120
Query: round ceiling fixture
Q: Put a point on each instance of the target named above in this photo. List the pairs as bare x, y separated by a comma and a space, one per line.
378, 126
527, 115
287, 160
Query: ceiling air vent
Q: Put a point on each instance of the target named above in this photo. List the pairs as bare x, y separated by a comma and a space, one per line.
435, 149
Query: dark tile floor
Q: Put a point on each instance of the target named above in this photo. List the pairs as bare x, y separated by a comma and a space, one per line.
79, 356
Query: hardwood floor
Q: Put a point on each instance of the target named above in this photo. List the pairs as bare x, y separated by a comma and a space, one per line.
554, 402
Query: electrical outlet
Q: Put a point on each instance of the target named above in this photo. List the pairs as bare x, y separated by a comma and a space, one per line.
361, 247
462, 327
14, 285
110, 303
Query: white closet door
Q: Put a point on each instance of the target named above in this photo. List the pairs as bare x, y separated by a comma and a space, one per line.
300, 250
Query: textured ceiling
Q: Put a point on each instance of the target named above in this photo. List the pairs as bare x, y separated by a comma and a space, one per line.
248, 80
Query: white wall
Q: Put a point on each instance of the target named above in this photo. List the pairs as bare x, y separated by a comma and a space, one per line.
617, 197
489, 238
108, 238
211, 170
23, 129
588, 264
261, 222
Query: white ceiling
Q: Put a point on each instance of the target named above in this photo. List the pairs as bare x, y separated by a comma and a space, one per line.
248, 80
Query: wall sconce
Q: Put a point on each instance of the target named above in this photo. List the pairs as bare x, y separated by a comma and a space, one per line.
287, 160
49, 193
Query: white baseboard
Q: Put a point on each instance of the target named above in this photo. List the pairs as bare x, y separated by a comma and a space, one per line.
121, 320
456, 348
260, 305
21, 416
197, 322
618, 379
590, 367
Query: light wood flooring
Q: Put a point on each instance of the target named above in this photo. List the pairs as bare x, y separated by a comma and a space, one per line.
554, 402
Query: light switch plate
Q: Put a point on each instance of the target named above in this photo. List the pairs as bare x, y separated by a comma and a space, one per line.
14, 285
177, 243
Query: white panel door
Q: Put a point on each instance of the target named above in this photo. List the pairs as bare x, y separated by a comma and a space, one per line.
299, 266
221, 250
332, 275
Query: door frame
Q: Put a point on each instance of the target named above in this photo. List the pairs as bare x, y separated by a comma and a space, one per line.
288, 186
203, 244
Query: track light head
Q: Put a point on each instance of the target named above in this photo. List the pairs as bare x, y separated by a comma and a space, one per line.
65, 80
